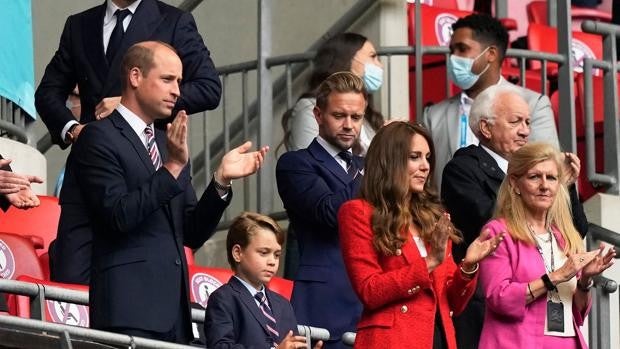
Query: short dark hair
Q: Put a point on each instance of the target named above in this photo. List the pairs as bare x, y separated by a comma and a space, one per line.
244, 227
139, 55
486, 30
341, 82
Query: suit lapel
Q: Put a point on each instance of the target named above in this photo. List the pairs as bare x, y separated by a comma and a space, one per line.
489, 166
127, 132
322, 156
249, 302
143, 22
454, 126
91, 28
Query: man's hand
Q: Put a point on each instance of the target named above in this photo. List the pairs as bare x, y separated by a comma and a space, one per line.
23, 199
106, 107
237, 163
73, 135
572, 167
178, 151
295, 342
11, 182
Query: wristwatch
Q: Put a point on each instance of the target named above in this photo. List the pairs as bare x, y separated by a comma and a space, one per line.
219, 186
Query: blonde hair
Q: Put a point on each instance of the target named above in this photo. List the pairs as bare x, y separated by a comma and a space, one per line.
510, 206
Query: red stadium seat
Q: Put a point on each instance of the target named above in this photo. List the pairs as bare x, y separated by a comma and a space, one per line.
543, 38
204, 280
451, 4
436, 31
537, 13
281, 286
55, 311
18, 257
44, 259
41, 221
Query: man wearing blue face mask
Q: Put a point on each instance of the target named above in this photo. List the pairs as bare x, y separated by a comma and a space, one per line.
477, 49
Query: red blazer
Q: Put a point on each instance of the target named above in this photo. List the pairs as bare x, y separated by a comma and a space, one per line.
397, 291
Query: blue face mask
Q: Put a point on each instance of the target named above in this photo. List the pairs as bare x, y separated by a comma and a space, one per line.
459, 70
373, 77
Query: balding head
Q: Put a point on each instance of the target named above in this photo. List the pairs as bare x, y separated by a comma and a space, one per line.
151, 74
500, 118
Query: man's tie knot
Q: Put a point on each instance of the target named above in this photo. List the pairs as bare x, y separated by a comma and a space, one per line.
120, 16
348, 158
260, 297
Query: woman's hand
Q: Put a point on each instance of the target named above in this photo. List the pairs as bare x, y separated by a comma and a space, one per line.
574, 263
599, 263
438, 241
480, 248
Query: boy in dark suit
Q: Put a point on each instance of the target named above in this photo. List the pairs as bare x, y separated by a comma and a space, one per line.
244, 313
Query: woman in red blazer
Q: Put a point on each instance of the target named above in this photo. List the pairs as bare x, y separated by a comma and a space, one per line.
396, 242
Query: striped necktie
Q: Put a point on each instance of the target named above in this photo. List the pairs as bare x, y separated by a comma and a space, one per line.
151, 146
271, 321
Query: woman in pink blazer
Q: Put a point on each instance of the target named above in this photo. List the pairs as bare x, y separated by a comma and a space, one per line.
396, 242
537, 283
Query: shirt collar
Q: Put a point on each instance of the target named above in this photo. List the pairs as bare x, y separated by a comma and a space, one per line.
253, 291
111, 8
137, 124
502, 163
332, 150
466, 100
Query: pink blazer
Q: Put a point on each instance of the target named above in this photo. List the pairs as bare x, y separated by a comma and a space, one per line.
508, 321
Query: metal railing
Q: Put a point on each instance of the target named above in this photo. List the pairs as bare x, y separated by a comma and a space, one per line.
598, 321
39, 294
611, 130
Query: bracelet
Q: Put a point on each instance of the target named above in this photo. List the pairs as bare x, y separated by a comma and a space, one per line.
219, 186
529, 288
586, 288
548, 284
470, 273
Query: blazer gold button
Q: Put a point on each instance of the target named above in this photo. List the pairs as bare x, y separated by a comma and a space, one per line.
399, 252
403, 309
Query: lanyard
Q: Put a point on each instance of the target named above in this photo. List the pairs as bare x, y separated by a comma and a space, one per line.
540, 250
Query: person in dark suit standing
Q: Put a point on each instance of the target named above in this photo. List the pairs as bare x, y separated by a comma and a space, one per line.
500, 119
245, 312
313, 183
15, 188
143, 210
90, 53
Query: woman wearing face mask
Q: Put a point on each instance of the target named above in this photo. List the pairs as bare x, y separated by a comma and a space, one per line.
344, 52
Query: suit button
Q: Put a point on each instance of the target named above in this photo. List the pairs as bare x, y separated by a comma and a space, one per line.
399, 252
177, 262
410, 291
403, 309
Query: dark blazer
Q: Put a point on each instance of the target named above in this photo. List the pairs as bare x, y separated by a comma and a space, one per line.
141, 219
313, 186
233, 319
80, 59
469, 189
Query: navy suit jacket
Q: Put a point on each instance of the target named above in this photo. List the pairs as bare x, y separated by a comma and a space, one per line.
80, 59
233, 319
141, 219
313, 186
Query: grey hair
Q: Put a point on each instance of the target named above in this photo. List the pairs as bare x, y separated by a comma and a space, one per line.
483, 107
